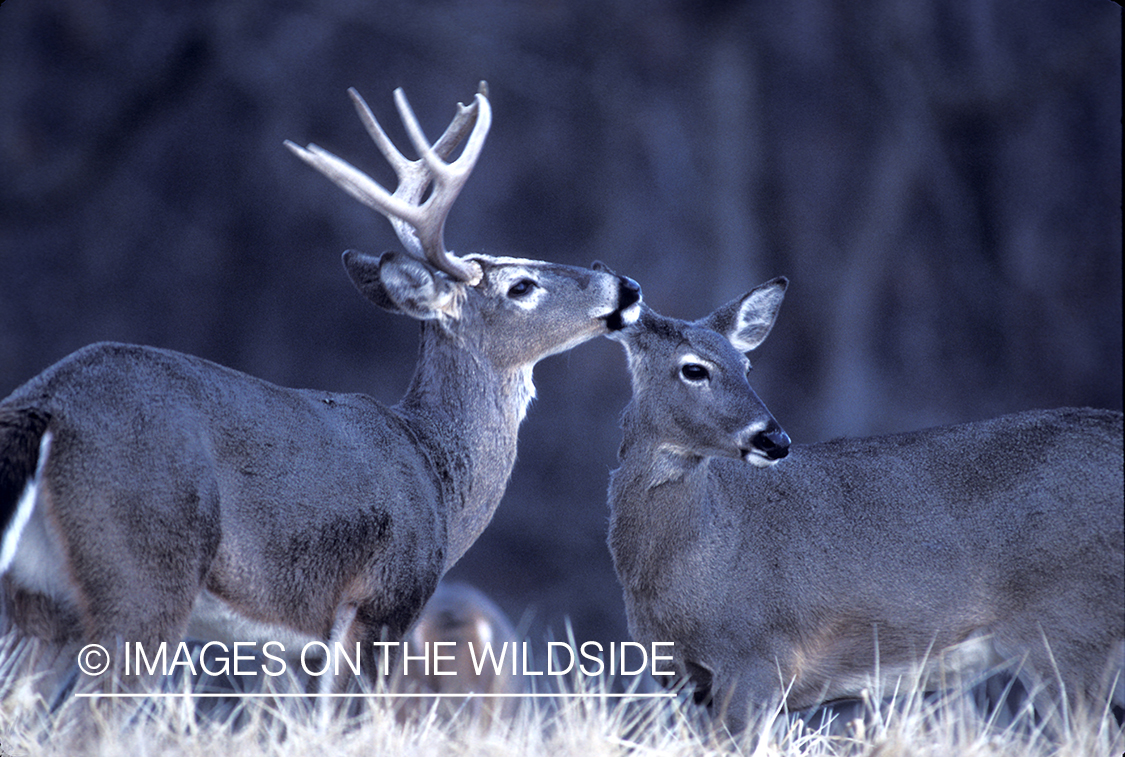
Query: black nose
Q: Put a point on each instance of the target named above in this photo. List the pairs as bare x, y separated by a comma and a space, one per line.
773, 442
628, 292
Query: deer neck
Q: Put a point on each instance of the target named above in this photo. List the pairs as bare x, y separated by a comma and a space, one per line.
654, 462
659, 502
466, 415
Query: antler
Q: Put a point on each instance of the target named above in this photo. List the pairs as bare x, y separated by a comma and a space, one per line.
419, 225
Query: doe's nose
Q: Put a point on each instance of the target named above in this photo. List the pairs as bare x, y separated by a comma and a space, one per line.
772, 441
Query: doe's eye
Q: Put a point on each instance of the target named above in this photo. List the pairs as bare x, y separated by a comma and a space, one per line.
694, 372
521, 288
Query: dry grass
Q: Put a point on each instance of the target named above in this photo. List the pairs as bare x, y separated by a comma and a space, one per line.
593, 725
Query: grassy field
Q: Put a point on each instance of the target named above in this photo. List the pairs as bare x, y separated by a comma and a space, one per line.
591, 725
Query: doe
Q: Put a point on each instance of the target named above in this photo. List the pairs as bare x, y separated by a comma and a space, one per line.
793, 573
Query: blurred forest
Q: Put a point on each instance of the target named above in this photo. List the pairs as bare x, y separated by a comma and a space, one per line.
940, 179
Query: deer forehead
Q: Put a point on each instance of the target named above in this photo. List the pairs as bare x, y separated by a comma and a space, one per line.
507, 270
710, 348
688, 356
578, 291
503, 273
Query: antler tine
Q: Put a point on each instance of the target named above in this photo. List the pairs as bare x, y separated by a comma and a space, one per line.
413, 178
353, 181
419, 226
448, 178
460, 124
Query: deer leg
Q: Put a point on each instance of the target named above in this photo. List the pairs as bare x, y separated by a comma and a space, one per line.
136, 563
341, 633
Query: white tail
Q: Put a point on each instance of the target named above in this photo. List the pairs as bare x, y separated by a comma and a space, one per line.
137, 483
800, 575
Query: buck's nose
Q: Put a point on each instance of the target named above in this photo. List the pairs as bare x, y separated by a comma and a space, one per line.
772, 441
628, 292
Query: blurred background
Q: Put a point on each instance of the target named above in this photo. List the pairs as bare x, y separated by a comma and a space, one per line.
940, 179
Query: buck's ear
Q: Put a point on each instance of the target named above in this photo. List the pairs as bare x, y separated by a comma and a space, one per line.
398, 283
363, 269
747, 321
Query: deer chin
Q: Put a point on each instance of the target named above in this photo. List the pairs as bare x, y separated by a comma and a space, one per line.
619, 320
631, 314
757, 459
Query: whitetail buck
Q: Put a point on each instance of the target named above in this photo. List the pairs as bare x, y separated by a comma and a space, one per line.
796, 572
137, 483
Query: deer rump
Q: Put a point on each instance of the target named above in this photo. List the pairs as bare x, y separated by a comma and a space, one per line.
184, 473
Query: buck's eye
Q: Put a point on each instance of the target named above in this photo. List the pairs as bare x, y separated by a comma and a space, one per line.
694, 372
521, 288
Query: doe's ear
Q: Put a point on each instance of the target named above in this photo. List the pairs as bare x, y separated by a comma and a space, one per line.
398, 283
747, 321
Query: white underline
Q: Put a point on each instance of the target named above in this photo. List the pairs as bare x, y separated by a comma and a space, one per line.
293, 695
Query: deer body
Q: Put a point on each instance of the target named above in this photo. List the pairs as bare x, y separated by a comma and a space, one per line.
236, 494
465, 623
139, 485
797, 572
